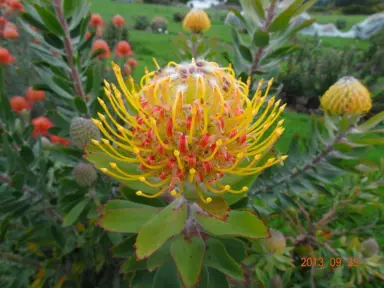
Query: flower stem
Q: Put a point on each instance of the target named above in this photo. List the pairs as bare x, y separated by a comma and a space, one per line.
68, 49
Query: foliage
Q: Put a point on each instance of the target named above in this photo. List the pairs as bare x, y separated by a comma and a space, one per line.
64, 225
269, 32
178, 17
341, 24
141, 23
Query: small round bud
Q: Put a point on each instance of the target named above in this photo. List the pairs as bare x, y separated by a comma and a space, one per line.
83, 131
370, 247
84, 174
276, 282
275, 244
45, 143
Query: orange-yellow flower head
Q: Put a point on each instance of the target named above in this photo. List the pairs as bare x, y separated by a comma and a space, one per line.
193, 124
346, 97
196, 21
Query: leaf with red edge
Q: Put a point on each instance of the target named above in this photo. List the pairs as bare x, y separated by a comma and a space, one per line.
168, 223
188, 256
128, 220
238, 223
218, 207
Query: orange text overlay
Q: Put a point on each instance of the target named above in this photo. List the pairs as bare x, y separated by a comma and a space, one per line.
331, 262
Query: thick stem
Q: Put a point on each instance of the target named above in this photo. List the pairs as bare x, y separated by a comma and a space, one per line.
18, 259
194, 45
259, 53
68, 49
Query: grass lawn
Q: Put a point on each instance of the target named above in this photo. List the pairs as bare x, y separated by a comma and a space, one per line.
333, 17
147, 45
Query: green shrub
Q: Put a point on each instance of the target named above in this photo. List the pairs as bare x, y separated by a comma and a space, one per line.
141, 23
341, 24
356, 9
178, 17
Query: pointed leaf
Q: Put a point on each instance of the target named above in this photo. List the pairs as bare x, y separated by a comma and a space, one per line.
216, 256
261, 38
132, 265
188, 256
161, 256
69, 7
371, 122
166, 277
122, 204
125, 248
80, 105
217, 279
75, 212
239, 223
50, 20
128, 220
169, 222
235, 248
245, 53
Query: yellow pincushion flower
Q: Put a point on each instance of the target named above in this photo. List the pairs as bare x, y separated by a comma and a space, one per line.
196, 21
194, 124
347, 96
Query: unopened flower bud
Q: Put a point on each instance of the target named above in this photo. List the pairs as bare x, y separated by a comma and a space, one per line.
45, 143
370, 247
19, 126
275, 244
83, 131
84, 174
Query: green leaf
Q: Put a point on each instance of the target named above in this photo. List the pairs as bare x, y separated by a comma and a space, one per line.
257, 5
128, 220
132, 265
261, 38
217, 279
121, 204
18, 181
235, 248
218, 207
69, 7
166, 277
125, 248
371, 122
216, 256
50, 20
169, 222
80, 105
304, 7
188, 256
245, 53
279, 52
237, 14
160, 257
130, 195
281, 22
239, 223
75, 212
27, 155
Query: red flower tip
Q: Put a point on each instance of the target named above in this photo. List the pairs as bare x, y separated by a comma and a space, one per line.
59, 140
96, 21
35, 95
118, 21
123, 49
41, 125
6, 58
19, 103
101, 44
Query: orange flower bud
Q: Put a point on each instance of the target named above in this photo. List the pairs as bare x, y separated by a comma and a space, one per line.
35, 95
19, 103
123, 49
118, 21
101, 44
